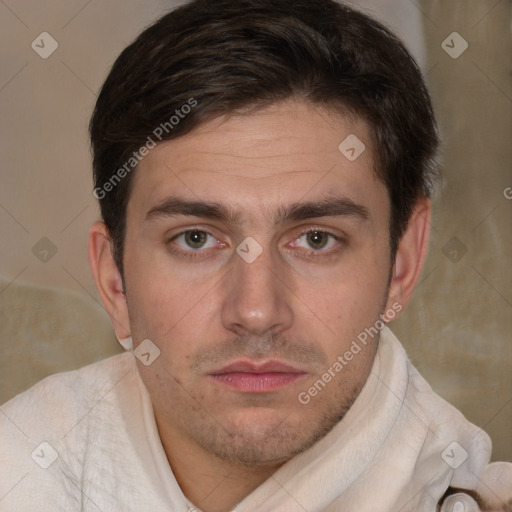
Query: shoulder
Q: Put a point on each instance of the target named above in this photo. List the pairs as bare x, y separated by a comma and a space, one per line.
49, 432
53, 407
476, 484
493, 492
66, 395
454, 448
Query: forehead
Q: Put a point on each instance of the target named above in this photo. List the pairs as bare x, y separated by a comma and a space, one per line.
287, 151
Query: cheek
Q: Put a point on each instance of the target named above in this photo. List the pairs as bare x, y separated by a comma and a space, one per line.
347, 303
177, 316
163, 310
163, 294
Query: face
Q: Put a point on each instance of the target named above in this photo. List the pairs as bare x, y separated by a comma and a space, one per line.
255, 253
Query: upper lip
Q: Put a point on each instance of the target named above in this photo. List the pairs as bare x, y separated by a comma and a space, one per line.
244, 366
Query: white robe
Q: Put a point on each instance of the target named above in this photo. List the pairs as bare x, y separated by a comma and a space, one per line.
87, 440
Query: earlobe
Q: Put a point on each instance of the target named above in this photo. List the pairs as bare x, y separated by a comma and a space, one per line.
108, 279
411, 254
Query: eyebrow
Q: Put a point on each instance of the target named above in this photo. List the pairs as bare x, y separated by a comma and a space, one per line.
331, 207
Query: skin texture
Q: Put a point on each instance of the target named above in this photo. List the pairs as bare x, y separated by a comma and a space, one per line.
301, 302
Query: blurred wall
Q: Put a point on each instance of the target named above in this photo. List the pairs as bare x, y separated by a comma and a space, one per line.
457, 328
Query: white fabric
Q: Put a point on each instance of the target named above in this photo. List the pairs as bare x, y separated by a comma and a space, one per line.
385, 455
126, 343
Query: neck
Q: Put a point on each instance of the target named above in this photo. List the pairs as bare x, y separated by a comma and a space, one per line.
210, 483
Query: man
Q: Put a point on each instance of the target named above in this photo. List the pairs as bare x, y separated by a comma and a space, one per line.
263, 169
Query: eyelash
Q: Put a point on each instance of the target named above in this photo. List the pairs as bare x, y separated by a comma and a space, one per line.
315, 254
199, 253
190, 254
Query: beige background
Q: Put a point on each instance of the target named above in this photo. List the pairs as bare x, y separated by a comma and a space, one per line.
458, 327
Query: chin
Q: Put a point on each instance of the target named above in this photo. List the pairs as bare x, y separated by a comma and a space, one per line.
260, 436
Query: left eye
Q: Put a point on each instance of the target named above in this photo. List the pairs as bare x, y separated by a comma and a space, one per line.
195, 239
316, 240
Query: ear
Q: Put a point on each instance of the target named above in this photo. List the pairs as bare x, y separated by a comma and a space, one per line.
108, 279
411, 255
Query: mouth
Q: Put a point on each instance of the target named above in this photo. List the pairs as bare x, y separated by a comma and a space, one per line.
257, 377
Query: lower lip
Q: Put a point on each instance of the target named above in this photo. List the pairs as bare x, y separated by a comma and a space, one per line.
256, 382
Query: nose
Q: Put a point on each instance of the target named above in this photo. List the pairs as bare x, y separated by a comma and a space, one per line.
256, 299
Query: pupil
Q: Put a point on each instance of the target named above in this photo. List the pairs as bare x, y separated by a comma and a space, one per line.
317, 239
195, 239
